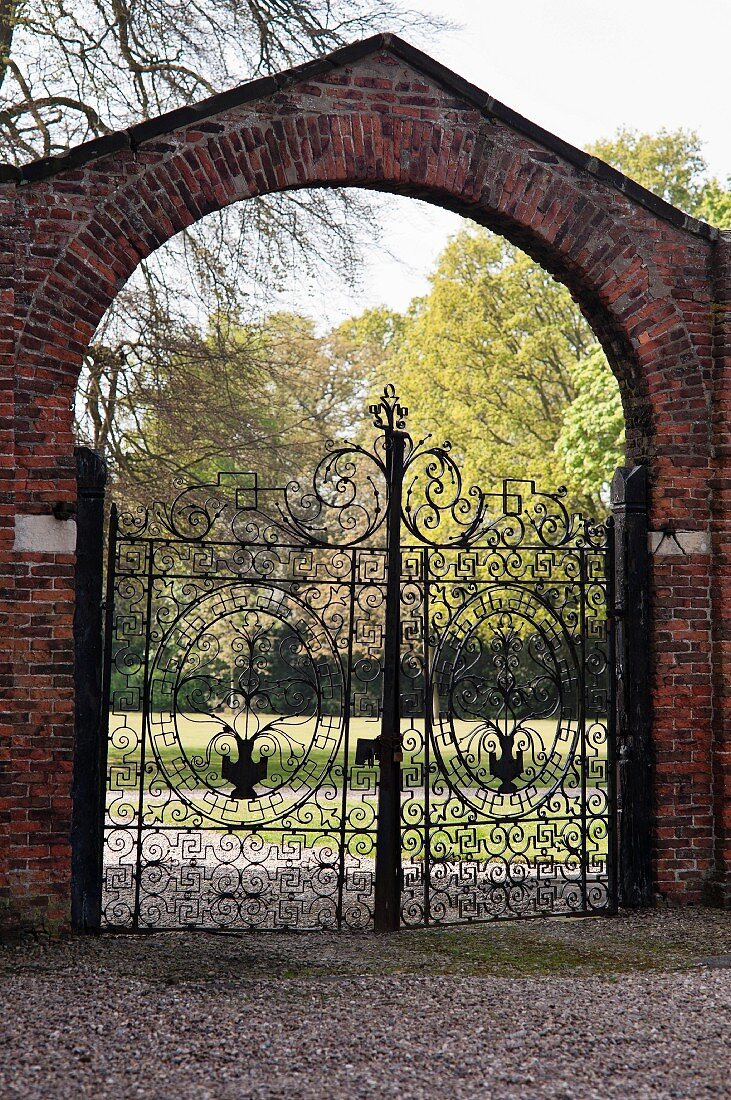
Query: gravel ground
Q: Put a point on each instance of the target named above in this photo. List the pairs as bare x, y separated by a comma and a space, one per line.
630, 1006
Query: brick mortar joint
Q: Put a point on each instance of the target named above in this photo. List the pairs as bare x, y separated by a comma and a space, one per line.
264, 88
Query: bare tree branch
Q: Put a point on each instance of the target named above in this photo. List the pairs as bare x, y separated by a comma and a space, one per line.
75, 69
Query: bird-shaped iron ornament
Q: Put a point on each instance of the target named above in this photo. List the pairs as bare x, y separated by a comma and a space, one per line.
243, 772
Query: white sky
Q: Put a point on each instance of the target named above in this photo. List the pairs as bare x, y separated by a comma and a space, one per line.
581, 69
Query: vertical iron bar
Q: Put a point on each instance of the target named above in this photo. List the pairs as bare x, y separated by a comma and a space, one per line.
428, 719
143, 732
610, 590
582, 727
388, 834
346, 738
107, 682
88, 780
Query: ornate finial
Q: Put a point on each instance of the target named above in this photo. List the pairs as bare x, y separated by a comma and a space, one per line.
388, 414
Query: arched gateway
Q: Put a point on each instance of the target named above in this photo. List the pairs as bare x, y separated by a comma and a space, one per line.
654, 284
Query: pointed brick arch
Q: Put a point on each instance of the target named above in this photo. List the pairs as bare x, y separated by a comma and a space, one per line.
380, 115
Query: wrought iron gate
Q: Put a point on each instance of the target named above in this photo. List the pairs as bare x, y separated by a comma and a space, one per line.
373, 699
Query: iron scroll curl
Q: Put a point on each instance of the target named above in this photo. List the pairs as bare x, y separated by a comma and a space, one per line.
260, 629
344, 501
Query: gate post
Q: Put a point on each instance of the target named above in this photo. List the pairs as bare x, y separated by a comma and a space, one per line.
387, 901
634, 745
86, 821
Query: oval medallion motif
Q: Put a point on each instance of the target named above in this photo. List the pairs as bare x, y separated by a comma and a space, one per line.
506, 679
246, 704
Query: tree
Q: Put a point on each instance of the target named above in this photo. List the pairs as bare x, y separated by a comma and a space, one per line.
590, 442
74, 71
161, 322
672, 165
499, 357
715, 204
357, 349
489, 358
262, 396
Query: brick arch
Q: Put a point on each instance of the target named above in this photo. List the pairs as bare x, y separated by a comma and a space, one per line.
578, 236
378, 115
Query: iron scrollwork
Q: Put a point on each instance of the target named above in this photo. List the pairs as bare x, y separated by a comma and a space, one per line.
246, 680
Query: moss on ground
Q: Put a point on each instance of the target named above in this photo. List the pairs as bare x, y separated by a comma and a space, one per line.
573, 948
487, 952
515, 953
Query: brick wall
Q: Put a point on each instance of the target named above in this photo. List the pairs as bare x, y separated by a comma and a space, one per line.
721, 572
377, 115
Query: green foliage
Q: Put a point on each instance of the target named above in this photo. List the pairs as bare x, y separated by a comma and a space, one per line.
489, 358
591, 440
671, 164
259, 396
70, 71
496, 357
715, 204
356, 349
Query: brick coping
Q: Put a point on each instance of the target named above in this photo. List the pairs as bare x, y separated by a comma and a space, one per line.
134, 136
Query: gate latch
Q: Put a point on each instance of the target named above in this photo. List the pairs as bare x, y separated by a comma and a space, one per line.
367, 751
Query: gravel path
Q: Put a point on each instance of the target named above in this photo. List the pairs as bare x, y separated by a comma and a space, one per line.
631, 1006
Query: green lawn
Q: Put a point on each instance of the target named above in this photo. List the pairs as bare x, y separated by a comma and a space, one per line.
452, 834
125, 739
